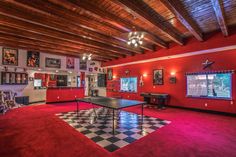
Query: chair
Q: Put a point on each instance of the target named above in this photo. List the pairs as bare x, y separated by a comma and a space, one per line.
3, 106
9, 99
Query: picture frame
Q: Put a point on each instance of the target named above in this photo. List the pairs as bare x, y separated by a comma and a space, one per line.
9, 56
158, 77
18, 78
109, 74
90, 69
83, 65
70, 63
7, 78
13, 78
53, 63
33, 59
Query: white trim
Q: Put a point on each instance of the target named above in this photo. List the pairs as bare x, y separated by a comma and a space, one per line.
232, 47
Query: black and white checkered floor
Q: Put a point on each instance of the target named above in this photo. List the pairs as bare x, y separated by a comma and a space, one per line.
128, 128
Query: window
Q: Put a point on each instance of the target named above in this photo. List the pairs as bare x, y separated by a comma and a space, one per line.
128, 84
214, 85
37, 83
78, 81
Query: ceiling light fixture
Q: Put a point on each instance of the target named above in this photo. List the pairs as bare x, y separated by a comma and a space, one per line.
88, 57
135, 38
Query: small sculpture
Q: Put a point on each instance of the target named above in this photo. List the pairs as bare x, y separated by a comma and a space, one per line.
207, 64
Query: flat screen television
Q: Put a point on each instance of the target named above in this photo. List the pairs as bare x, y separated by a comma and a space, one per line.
62, 80
213, 85
128, 84
101, 80
37, 83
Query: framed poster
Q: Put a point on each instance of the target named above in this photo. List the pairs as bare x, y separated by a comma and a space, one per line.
7, 78
9, 56
23, 78
33, 59
53, 63
109, 74
18, 78
158, 78
83, 65
90, 69
70, 62
13, 78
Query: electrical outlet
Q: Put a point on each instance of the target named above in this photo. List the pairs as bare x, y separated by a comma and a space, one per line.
206, 104
231, 102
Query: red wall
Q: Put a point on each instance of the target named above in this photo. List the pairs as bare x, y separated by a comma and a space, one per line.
215, 41
223, 61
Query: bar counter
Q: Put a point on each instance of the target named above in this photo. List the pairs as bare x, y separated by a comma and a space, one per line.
63, 94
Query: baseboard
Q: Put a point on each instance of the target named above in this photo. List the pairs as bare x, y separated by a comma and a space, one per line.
180, 107
206, 111
56, 102
34, 102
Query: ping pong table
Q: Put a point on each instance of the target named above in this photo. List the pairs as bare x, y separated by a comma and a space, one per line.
111, 103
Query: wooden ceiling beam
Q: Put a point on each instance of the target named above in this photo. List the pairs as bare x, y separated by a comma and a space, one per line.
59, 12
25, 40
74, 23
9, 21
46, 47
109, 49
51, 40
19, 45
219, 12
56, 11
180, 12
114, 20
140, 9
78, 5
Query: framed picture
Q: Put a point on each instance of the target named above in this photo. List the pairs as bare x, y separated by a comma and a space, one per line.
83, 65
9, 56
18, 78
33, 59
158, 78
70, 62
109, 74
13, 78
53, 63
24, 78
7, 78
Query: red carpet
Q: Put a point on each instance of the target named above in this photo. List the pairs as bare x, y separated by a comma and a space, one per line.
35, 131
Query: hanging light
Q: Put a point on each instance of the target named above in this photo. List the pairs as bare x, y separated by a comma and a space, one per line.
135, 38
88, 57
133, 41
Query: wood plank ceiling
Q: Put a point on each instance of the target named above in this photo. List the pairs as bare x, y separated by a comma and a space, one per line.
100, 27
